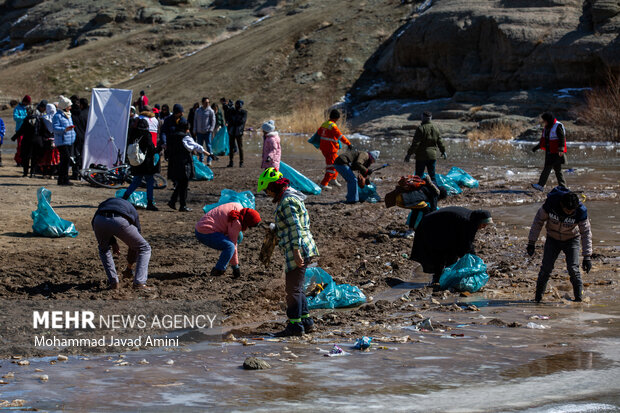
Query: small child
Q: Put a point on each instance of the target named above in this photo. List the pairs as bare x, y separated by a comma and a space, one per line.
272, 151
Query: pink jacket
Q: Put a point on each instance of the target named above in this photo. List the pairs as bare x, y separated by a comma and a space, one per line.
217, 220
271, 151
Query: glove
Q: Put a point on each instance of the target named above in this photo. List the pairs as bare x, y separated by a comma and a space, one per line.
443, 155
236, 272
535, 148
530, 249
586, 264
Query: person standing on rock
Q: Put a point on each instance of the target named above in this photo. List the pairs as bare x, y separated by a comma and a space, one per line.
204, 124
446, 235
354, 161
553, 142
236, 127
219, 229
426, 142
117, 218
64, 137
272, 151
330, 144
292, 227
567, 224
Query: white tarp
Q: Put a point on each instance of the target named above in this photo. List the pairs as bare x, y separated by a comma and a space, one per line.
106, 131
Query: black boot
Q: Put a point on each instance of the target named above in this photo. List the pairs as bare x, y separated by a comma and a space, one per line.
578, 291
292, 329
541, 286
150, 206
308, 324
216, 273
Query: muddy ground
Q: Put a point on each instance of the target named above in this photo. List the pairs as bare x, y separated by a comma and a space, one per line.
360, 244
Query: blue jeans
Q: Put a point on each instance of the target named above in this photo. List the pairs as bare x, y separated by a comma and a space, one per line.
429, 165
204, 139
135, 183
219, 242
349, 176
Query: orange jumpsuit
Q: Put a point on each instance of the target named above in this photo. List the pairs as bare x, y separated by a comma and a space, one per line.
330, 143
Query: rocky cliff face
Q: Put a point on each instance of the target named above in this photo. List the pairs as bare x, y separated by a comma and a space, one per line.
495, 45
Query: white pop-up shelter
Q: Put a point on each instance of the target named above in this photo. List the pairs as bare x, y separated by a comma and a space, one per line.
105, 140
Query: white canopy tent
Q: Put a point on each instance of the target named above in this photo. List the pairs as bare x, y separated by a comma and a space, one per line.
105, 140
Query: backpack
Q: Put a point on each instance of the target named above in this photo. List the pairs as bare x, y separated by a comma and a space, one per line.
135, 155
411, 183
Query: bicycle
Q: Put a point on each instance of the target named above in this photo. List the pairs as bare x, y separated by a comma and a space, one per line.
100, 175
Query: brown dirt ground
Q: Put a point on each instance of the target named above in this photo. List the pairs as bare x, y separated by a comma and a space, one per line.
355, 243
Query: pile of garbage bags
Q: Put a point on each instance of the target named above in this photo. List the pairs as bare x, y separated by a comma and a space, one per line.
455, 179
245, 198
45, 220
201, 171
323, 292
467, 274
299, 181
137, 198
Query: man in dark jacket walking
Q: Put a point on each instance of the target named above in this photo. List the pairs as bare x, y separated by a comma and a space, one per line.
80, 119
148, 167
236, 126
354, 161
117, 218
553, 142
567, 224
426, 141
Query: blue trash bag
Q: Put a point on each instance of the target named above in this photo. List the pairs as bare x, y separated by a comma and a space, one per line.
369, 194
137, 198
220, 142
45, 220
201, 171
462, 178
298, 181
467, 274
315, 140
415, 216
332, 296
451, 187
245, 198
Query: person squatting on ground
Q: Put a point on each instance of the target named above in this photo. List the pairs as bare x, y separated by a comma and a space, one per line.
117, 218
144, 171
553, 142
426, 142
446, 235
181, 147
237, 117
204, 124
292, 226
220, 229
330, 144
567, 223
272, 151
64, 137
355, 161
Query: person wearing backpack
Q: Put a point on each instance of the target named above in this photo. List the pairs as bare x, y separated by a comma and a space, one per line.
426, 142
141, 154
567, 225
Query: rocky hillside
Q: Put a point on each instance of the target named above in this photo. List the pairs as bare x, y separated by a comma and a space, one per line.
495, 45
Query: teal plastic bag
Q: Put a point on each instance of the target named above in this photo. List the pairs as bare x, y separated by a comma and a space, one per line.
220, 142
45, 220
298, 181
315, 140
451, 187
369, 194
245, 198
467, 274
201, 171
332, 296
462, 178
137, 198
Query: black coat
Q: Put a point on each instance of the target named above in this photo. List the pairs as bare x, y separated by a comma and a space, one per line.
146, 145
236, 123
444, 236
33, 131
180, 162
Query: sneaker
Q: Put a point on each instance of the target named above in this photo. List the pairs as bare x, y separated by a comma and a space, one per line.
291, 330
141, 287
185, 209
241, 165
308, 324
209, 163
410, 234
216, 273
538, 187
338, 184
326, 187
230, 165
151, 207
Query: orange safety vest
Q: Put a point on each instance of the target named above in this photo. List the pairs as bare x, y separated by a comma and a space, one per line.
331, 137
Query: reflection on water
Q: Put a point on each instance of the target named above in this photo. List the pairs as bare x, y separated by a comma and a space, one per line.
570, 360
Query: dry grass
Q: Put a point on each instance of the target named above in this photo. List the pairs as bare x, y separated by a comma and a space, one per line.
475, 109
602, 109
496, 132
307, 117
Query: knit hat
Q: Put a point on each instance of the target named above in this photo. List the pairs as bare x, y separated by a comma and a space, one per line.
279, 186
63, 102
269, 126
42, 104
374, 155
427, 116
481, 216
248, 217
177, 108
27, 100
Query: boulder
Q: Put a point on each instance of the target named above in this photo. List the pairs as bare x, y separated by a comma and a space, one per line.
23, 4
254, 363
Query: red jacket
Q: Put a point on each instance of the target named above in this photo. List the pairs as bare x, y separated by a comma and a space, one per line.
557, 138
